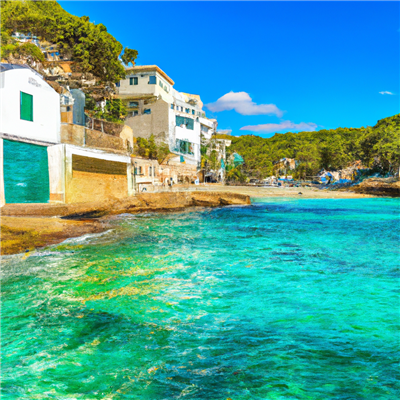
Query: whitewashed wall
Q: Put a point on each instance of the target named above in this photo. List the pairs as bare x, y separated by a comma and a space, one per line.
46, 106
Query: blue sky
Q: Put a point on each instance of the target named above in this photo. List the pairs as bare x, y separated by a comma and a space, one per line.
290, 65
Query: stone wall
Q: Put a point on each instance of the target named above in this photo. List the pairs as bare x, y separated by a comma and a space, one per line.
100, 140
80, 136
73, 134
89, 186
156, 123
110, 128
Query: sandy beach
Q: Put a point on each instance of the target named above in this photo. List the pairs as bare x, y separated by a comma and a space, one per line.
308, 193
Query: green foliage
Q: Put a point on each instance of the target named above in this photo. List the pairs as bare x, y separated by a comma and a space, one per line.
236, 175
8, 45
29, 49
209, 156
129, 56
377, 147
91, 46
114, 111
150, 149
90, 103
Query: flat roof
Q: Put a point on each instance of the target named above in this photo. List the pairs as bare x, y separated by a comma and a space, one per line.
7, 67
143, 68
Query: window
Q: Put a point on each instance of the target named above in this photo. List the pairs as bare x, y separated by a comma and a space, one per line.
160, 83
150, 171
133, 104
184, 147
133, 81
140, 170
187, 110
147, 111
117, 84
188, 123
26, 103
193, 112
172, 106
152, 80
204, 129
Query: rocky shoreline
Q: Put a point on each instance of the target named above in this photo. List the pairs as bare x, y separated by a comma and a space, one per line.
25, 227
388, 187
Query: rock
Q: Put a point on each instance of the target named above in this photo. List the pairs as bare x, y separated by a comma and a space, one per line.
142, 202
379, 187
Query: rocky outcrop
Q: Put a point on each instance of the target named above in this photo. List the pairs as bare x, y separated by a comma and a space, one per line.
21, 234
28, 226
165, 201
379, 187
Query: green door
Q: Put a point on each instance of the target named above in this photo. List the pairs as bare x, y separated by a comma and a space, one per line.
26, 173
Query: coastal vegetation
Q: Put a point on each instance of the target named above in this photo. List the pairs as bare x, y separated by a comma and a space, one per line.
148, 148
92, 48
377, 147
113, 111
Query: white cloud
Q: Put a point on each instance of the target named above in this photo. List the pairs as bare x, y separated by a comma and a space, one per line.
242, 103
284, 125
225, 132
386, 92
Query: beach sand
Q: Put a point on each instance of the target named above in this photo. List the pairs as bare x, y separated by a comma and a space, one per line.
308, 193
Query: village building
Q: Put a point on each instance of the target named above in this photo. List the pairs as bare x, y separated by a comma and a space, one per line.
284, 165
156, 108
51, 151
47, 154
29, 123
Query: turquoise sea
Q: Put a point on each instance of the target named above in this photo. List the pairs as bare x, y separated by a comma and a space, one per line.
284, 299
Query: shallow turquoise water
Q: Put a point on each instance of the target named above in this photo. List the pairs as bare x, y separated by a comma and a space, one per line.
285, 299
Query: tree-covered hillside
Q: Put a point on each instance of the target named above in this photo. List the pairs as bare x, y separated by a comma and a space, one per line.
91, 46
378, 147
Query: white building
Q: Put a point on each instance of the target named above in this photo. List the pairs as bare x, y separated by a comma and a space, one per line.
146, 80
29, 107
156, 108
29, 124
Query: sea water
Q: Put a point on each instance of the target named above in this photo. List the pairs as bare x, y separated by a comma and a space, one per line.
284, 299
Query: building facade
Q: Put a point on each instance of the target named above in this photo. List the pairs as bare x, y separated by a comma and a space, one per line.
48, 155
29, 124
30, 107
156, 108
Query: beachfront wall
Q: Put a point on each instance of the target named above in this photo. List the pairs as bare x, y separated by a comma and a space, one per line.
25, 173
81, 175
30, 107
